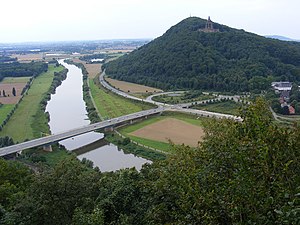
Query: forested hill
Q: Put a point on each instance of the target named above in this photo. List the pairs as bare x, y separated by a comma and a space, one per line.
229, 60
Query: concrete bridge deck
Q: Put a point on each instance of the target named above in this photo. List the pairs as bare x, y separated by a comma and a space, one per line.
113, 122
81, 130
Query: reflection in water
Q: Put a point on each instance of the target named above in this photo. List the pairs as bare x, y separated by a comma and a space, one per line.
107, 158
67, 111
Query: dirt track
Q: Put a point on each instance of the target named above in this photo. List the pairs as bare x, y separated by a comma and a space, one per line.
176, 130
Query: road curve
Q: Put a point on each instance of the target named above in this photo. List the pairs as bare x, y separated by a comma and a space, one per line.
115, 121
125, 95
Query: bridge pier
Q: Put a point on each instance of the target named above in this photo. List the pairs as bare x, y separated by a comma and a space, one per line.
47, 148
109, 129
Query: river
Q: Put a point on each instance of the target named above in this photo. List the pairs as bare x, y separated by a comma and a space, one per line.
67, 111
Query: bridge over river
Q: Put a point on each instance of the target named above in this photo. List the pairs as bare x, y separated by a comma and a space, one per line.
112, 122
81, 130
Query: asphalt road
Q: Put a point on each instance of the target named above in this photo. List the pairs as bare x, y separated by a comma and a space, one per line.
115, 121
81, 130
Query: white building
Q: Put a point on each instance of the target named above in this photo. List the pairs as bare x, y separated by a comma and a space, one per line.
282, 86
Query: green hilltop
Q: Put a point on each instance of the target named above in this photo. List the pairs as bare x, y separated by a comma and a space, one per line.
185, 57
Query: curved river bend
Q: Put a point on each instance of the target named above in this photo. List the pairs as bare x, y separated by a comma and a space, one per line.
67, 111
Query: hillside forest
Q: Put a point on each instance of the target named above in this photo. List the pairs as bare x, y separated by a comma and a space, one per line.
229, 60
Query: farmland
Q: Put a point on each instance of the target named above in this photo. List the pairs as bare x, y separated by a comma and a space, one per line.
19, 127
155, 132
131, 87
92, 68
7, 85
172, 129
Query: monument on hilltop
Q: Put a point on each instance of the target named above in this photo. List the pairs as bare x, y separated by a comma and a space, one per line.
209, 27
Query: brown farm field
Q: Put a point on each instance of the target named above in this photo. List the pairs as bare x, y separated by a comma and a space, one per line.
176, 130
28, 57
131, 87
7, 87
92, 68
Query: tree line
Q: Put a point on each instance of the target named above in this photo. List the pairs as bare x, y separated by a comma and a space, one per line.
16, 69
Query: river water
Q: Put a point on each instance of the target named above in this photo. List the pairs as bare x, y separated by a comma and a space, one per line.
67, 111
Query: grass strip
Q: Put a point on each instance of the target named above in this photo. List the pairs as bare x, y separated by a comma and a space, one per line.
4, 111
19, 127
111, 105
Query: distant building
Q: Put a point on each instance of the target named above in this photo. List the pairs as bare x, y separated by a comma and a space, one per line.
282, 86
291, 110
209, 27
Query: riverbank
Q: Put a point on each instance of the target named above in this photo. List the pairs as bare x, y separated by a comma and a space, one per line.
21, 125
109, 105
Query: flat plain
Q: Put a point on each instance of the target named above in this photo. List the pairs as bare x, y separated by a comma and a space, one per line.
93, 69
175, 130
8, 84
19, 127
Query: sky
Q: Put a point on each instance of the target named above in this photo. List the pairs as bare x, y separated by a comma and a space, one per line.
71, 20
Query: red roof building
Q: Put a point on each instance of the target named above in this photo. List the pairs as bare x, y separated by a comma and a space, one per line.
291, 110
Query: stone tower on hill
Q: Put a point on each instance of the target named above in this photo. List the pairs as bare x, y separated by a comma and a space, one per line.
209, 27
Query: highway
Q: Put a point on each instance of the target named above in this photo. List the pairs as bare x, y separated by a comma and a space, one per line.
125, 95
119, 120
81, 130
177, 107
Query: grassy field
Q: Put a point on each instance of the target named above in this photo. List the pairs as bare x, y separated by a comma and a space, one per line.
4, 111
157, 144
19, 127
188, 96
9, 80
228, 107
111, 105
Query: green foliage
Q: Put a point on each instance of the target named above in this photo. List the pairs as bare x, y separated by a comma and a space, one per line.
186, 97
16, 69
227, 106
4, 111
242, 173
129, 147
6, 141
126, 141
22, 121
14, 178
5, 59
55, 195
230, 60
111, 105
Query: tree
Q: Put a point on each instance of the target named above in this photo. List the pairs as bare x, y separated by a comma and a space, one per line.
14, 180
14, 91
285, 110
242, 173
55, 195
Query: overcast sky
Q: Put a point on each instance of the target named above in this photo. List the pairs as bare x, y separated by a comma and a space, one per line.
62, 20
